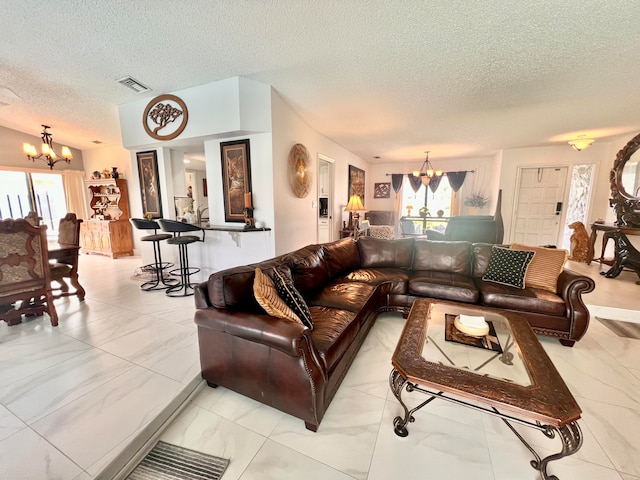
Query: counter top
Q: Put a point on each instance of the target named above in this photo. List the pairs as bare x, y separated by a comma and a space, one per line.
230, 228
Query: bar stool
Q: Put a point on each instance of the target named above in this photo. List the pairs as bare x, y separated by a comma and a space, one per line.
183, 288
158, 266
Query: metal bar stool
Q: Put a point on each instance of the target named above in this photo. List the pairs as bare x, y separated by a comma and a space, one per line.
183, 288
158, 266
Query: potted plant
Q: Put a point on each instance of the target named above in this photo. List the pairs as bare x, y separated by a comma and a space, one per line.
476, 200
424, 212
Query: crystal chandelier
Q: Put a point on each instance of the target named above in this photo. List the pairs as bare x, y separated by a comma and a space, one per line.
427, 172
47, 154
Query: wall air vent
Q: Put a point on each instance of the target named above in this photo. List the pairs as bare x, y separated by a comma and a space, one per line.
133, 84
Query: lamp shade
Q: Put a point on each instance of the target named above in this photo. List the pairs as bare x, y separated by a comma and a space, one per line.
581, 143
354, 204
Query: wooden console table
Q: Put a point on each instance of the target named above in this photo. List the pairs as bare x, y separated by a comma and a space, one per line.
605, 227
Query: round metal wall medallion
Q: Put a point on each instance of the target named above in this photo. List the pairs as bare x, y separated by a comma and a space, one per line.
299, 175
167, 113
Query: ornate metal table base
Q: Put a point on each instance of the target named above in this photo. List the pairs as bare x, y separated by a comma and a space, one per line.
570, 434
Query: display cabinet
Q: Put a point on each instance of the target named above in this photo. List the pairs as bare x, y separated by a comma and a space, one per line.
108, 231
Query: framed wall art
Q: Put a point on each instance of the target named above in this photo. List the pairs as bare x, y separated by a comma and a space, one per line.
356, 182
382, 190
149, 183
236, 178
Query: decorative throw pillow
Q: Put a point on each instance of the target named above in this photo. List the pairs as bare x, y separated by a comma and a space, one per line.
290, 295
507, 266
545, 268
267, 296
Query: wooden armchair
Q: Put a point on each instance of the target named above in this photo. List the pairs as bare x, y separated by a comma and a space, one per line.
65, 264
25, 286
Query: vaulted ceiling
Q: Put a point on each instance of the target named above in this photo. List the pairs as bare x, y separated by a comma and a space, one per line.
386, 78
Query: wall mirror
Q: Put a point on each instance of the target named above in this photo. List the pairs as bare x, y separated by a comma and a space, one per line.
625, 184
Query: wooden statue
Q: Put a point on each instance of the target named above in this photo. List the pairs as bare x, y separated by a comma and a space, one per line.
579, 243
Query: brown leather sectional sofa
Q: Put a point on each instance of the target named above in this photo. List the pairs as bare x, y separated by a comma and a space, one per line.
346, 284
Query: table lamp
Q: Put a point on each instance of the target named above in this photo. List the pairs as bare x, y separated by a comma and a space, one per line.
353, 207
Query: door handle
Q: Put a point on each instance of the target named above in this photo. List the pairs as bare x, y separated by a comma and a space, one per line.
558, 208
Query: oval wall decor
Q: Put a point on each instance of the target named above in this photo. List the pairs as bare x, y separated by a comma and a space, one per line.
299, 175
162, 113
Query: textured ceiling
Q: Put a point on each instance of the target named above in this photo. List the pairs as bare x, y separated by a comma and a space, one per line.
388, 78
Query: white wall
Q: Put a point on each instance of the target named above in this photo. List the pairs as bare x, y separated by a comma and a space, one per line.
296, 218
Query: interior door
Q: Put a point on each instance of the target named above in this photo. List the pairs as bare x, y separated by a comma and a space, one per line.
325, 200
539, 205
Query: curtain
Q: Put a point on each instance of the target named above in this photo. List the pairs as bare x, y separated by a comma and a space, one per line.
434, 183
456, 179
74, 190
416, 182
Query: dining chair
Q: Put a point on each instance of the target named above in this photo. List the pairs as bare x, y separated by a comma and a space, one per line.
25, 282
33, 218
66, 267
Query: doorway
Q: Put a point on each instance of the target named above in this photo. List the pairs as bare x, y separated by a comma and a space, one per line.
539, 205
325, 199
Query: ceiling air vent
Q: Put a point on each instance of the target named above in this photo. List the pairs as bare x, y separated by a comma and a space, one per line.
133, 84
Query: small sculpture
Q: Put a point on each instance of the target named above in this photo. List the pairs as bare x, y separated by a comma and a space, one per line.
626, 255
579, 243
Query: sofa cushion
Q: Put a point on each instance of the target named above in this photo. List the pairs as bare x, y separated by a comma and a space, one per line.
376, 253
444, 285
288, 293
545, 268
268, 298
233, 287
533, 300
438, 256
309, 269
480, 253
508, 267
334, 332
341, 256
396, 277
351, 296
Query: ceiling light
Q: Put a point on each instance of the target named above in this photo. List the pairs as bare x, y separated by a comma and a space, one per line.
427, 172
47, 154
581, 142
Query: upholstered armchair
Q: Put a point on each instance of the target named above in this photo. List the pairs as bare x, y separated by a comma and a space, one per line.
25, 287
382, 223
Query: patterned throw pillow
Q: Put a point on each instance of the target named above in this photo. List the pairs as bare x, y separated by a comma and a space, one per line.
508, 267
290, 295
545, 268
267, 296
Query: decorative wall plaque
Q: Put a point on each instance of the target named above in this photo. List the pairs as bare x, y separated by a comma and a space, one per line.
299, 175
167, 113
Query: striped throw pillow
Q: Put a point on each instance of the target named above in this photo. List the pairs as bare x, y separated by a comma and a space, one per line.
267, 296
545, 268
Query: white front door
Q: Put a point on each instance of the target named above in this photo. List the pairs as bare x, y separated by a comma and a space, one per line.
539, 207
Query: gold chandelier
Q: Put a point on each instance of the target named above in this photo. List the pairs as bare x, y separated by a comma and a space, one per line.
427, 172
47, 154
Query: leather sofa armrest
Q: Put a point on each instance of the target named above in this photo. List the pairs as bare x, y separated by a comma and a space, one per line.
571, 287
201, 295
283, 335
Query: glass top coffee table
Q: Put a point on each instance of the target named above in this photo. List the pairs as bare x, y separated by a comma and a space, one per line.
505, 373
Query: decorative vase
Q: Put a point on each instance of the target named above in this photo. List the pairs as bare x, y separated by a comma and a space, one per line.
114, 172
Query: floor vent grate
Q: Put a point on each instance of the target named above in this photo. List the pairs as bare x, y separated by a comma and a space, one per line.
170, 462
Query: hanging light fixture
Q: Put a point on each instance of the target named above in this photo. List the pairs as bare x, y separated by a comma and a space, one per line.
47, 154
427, 172
581, 142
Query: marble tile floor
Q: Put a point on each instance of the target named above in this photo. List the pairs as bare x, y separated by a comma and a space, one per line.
75, 398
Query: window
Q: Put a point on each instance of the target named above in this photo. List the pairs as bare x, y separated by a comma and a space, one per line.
437, 201
40, 192
434, 201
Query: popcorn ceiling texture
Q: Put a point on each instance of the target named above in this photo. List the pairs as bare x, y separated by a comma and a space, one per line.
379, 78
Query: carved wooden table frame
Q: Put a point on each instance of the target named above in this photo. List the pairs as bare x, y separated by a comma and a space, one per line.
547, 402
